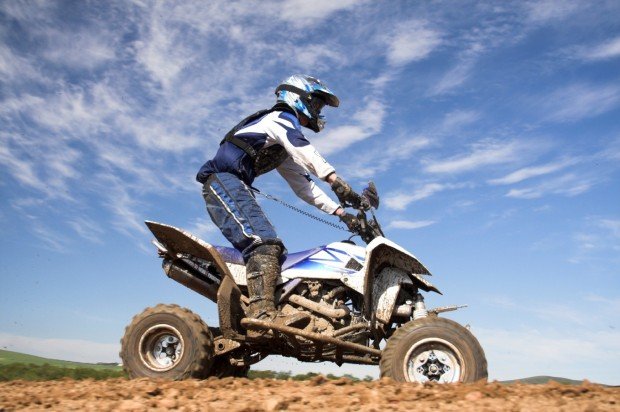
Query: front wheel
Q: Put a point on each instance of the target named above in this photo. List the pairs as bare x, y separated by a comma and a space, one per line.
167, 341
433, 349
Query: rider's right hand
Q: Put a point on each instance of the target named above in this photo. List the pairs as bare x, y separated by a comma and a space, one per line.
344, 192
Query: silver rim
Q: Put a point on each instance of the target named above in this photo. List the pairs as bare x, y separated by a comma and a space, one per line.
435, 360
161, 347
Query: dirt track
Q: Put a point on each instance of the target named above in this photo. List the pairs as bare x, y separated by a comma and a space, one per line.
317, 394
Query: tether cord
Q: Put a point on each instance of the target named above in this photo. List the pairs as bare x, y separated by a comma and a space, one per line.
298, 210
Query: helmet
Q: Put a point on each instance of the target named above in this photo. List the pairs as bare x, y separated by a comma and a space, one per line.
307, 95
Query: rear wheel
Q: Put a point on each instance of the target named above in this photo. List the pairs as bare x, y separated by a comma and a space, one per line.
167, 341
433, 349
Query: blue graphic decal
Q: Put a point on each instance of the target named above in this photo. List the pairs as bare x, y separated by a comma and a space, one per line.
294, 136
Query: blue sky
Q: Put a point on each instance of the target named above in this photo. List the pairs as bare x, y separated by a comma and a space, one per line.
492, 130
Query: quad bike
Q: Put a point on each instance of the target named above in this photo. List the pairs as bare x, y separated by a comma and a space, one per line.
365, 306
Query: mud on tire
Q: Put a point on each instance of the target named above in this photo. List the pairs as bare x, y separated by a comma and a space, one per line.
169, 342
435, 349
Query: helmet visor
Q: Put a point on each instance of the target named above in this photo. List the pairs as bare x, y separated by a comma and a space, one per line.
316, 104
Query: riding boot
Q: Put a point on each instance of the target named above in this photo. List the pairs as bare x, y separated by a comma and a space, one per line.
263, 269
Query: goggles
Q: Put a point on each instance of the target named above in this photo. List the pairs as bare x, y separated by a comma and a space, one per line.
316, 103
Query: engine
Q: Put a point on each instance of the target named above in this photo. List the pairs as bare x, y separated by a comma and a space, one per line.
334, 312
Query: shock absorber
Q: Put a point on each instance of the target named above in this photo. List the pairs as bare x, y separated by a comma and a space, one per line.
419, 308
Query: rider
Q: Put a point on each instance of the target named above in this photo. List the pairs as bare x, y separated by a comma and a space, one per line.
272, 139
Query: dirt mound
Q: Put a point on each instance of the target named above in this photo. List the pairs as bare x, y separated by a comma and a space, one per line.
316, 394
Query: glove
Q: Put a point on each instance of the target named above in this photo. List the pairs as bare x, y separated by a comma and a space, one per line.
351, 221
344, 193
371, 195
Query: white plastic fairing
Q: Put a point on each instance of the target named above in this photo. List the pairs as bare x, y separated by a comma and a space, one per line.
330, 262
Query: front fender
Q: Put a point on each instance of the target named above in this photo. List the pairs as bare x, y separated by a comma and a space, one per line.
382, 253
385, 291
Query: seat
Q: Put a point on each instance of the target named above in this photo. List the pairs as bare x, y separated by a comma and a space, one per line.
233, 256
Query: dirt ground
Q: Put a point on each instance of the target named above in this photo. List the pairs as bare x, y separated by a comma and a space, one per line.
317, 394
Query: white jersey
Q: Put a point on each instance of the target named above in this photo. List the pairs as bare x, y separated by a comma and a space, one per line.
279, 143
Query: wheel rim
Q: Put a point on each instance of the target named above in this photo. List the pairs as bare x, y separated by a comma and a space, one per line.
161, 347
435, 360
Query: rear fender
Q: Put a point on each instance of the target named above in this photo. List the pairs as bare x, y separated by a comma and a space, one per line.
382, 253
178, 241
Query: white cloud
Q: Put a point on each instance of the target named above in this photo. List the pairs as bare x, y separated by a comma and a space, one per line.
161, 49
318, 57
303, 13
470, 47
607, 305
400, 200
408, 224
599, 239
500, 216
400, 149
579, 101
369, 122
85, 49
17, 68
411, 41
126, 207
532, 171
612, 225
31, 12
566, 185
459, 118
403, 147
87, 229
50, 238
75, 350
608, 50
202, 227
575, 354
541, 11
454, 77
21, 169
561, 313
483, 154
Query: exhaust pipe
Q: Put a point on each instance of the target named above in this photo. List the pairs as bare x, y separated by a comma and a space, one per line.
194, 282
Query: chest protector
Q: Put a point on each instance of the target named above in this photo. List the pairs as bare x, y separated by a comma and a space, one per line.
263, 160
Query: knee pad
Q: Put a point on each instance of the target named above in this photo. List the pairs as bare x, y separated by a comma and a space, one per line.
268, 250
264, 247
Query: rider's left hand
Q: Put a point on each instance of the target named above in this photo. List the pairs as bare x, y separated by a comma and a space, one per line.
351, 221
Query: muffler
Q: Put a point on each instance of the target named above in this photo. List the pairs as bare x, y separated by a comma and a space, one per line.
194, 282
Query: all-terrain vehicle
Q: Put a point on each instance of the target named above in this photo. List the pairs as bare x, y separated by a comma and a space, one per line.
365, 304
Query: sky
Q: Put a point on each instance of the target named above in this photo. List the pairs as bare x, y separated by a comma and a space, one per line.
491, 129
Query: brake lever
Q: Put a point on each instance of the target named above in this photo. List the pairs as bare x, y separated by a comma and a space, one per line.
364, 203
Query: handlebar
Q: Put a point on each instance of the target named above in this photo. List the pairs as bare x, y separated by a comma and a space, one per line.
368, 229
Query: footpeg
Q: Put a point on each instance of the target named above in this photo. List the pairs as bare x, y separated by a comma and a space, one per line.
262, 325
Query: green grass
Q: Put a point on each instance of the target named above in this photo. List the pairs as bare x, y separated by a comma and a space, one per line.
539, 380
8, 357
15, 365
46, 372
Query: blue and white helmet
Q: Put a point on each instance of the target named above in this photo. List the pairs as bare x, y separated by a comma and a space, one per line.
307, 95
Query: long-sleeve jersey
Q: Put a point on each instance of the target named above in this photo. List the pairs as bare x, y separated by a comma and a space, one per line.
280, 144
